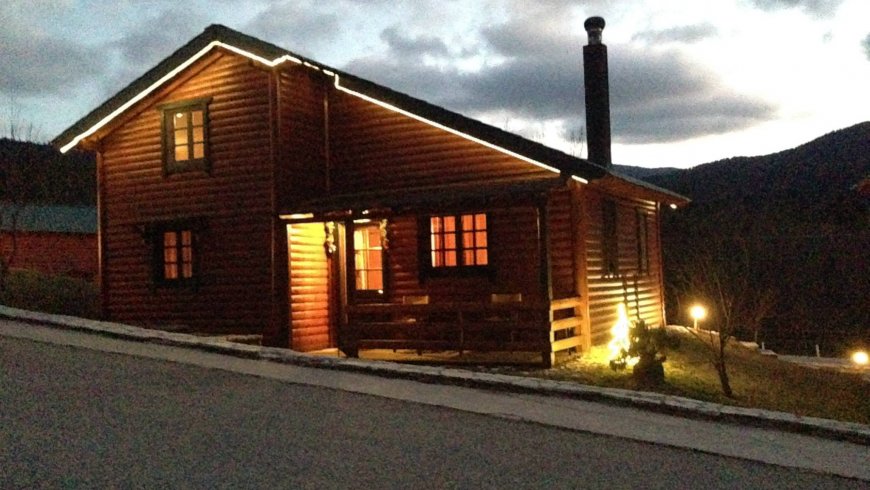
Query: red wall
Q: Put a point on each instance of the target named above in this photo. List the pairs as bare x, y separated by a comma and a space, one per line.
55, 253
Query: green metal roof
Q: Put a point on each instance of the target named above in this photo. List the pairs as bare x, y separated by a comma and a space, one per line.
50, 218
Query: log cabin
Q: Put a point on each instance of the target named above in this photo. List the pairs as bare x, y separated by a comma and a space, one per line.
244, 188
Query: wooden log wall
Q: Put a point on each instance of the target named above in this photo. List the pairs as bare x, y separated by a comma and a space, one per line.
375, 148
640, 291
304, 102
310, 291
234, 202
512, 252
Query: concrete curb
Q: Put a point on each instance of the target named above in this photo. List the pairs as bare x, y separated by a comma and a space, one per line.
831, 429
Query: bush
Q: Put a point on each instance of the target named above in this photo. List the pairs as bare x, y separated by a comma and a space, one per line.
31, 290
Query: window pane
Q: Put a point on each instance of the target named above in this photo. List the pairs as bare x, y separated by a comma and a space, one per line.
198, 150
169, 239
449, 223
480, 221
467, 222
374, 259
196, 116
435, 224
180, 137
180, 120
181, 154
170, 271
187, 270
468, 257
481, 256
450, 242
436, 259
375, 280
481, 238
468, 240
450, 258
198, 135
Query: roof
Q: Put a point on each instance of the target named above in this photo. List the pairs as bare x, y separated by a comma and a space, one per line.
220, 37
55, 219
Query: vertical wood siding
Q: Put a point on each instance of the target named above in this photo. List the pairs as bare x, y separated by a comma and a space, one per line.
309, 287
641, 292
234, 201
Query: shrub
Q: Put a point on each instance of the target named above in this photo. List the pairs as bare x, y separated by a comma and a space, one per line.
31, 290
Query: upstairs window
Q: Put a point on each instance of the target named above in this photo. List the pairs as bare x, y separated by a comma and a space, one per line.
185, 136
458, 241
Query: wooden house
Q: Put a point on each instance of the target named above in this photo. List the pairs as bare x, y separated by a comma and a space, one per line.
244, 188
50, 239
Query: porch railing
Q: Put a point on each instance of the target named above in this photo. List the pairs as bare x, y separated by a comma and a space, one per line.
545, 328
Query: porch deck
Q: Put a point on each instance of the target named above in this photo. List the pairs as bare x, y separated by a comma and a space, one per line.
544, 328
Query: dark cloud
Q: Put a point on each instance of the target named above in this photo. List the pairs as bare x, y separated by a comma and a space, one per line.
866, 44
681, 34
656, 95
296, 25
405, 47
43, 65
817, 8
146, 45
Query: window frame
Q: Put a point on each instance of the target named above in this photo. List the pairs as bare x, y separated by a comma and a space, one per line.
371, 294
610, 238
159, 248
428, 269
642, 219
167, 131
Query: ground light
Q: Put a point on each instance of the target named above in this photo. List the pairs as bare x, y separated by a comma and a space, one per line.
697, 312
860, 358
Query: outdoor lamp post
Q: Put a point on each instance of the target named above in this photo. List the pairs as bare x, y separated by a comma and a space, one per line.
697, 312
860, 358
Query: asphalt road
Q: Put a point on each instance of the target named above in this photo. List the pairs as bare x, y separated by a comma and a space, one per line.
73, 417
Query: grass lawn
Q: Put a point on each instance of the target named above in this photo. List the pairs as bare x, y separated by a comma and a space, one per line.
59, 294
758, 381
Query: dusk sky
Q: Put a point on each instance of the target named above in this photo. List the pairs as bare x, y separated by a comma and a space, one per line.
691, 81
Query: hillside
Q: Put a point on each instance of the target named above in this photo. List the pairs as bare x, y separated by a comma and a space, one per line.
801, 214
32, 172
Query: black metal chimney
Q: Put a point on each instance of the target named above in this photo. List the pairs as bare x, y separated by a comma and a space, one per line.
597, 94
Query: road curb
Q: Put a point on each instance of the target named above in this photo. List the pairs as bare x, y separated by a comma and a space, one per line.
686, 407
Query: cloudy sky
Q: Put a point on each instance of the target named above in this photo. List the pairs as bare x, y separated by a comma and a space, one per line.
691, 81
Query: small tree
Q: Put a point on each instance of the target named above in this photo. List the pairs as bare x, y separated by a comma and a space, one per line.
719, 275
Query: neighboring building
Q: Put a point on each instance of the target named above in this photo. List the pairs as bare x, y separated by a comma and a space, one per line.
244, 188
52, 239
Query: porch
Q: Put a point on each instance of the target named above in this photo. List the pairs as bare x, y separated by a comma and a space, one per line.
545, 330
494, 268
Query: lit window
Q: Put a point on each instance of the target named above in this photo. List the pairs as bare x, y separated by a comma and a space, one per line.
175, 256
368, 258
458, 240
185, 136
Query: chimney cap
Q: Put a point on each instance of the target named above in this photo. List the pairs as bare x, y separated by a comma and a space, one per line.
594, 26
594, 23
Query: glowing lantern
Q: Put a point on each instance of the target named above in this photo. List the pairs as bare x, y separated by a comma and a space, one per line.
860, 358
621, 340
